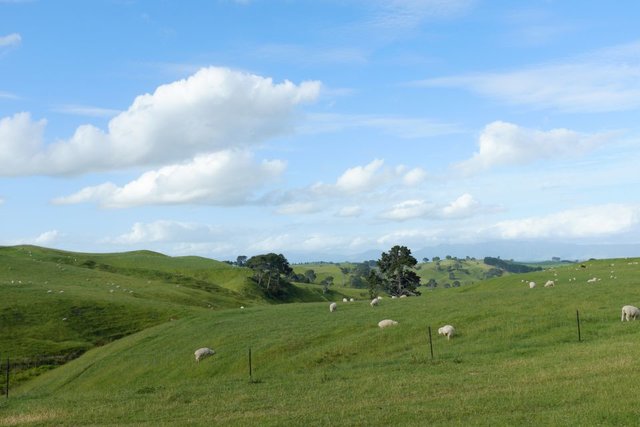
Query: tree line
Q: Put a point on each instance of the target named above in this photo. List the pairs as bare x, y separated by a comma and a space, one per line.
393, 273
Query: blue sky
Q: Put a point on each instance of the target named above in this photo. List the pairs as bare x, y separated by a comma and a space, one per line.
318, 129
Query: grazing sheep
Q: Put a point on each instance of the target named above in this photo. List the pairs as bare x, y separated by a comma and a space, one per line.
345, 300
203, 352
403, 296
592, 280
333, 307
375, 302
447, 330
532, 285
386, 322
393, 297
351, 300
630, 312
549, 284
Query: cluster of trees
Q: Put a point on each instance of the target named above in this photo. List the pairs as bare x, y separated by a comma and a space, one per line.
393, 273
270, 272
510, 266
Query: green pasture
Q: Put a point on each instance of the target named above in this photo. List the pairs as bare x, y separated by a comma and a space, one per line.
516, 360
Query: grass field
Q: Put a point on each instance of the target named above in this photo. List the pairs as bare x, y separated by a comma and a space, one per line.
515, 361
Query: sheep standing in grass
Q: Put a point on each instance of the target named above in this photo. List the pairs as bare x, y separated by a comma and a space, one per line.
630, 312
386, 323
532, 285
333, 307
203, 352
374, 302
549, 284
447, 330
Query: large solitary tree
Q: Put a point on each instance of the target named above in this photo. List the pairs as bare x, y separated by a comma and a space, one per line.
396, 267
267, 271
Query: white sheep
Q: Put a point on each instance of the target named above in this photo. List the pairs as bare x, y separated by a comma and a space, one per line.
447, 330
351, 300
386, 322
630, 312
375, 302
333, 307
592, 280
345, 300
549, 284
532, 285
203, 352
403, 296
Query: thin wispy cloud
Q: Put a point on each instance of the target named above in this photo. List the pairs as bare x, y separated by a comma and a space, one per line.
403, 127
602, 81
403, 15
86, 110
13, 39
311, 55
8, 95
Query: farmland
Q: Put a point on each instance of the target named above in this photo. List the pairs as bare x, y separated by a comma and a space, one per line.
516, 359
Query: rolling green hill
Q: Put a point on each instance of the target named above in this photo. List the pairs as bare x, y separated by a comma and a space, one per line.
516, 360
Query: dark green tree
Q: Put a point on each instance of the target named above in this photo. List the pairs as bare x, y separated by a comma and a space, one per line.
396, 267
326, 282
374, 283
241, 260
310, 275
345, 271
267, 271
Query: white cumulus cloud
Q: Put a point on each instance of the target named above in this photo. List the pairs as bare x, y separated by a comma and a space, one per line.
408, 209
360, 178
503, 143
215, 109
463, 206
223, 178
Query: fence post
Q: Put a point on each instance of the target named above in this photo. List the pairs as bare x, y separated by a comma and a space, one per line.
430, 342
578, 322
7, 383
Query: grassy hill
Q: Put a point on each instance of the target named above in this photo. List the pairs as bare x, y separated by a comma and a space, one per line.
515, 361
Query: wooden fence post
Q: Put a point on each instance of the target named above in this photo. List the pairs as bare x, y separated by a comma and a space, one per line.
578, 322
7, 383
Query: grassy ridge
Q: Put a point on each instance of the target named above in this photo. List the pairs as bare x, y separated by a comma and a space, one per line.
66, 303
516, 361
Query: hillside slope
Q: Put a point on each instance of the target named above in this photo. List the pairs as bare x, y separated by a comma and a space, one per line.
58, 303
516, 360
